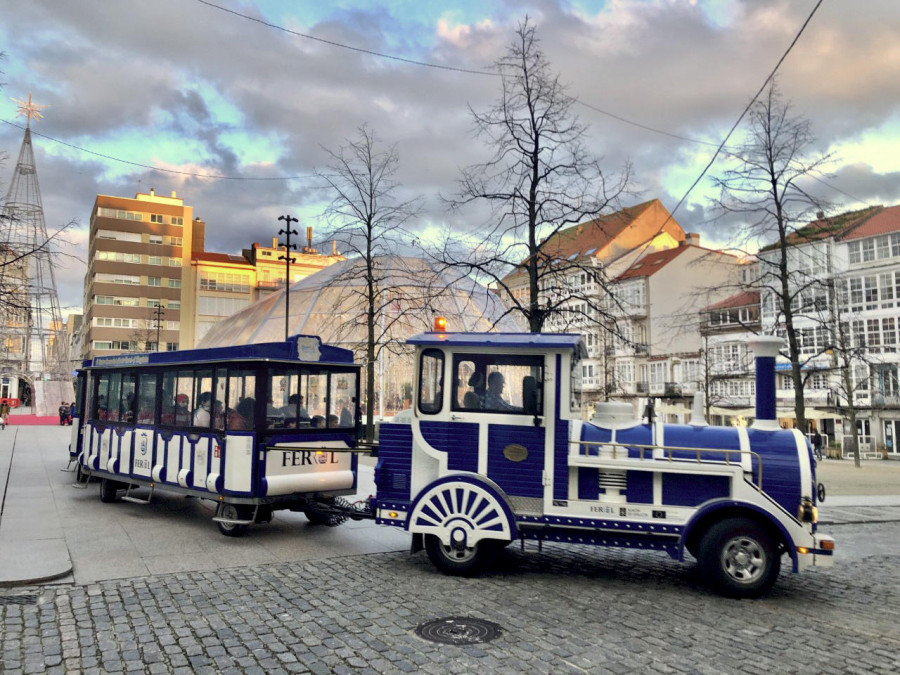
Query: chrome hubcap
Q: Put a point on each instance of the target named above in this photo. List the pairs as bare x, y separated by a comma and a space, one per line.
744, 560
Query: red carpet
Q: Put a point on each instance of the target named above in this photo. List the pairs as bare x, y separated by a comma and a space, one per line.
32, 419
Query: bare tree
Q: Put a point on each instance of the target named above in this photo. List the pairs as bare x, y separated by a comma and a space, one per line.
766, 190
368, 220
539, 179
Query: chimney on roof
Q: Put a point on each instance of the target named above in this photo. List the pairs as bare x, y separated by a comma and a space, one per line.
692, 239
174, 195
152, 192
274, 242
820, 215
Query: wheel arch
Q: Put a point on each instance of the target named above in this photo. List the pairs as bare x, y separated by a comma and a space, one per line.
486, 484
719, 510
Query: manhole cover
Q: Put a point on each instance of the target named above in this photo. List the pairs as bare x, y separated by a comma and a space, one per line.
458, 630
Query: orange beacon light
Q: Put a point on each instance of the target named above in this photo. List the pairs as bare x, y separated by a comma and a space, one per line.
440, 324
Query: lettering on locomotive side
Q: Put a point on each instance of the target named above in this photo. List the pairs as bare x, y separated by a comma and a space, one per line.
308, 458
142, 463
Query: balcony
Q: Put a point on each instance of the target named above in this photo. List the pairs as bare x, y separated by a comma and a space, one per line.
672, 389
641, 349
642, 387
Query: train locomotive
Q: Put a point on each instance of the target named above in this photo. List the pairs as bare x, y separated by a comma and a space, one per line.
495, 450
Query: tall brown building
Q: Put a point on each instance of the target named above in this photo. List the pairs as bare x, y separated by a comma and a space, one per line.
150, 278
139, 255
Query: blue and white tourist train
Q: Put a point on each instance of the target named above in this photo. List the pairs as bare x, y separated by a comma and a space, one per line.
255, 428
494, 450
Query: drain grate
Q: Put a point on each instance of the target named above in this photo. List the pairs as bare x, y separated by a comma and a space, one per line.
459, 630
6, 600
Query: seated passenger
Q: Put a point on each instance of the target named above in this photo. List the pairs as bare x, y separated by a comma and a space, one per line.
202, 414
471, 400
241, 416
493, 399
182, 414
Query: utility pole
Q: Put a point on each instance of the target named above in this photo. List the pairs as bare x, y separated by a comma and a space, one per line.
288, 246
158, 312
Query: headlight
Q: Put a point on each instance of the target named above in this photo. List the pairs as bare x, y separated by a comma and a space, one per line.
807, 513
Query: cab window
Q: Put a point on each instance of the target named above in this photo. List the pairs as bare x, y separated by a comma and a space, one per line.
499, 384
431, 381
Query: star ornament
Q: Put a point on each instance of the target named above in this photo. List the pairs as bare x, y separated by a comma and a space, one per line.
28, 109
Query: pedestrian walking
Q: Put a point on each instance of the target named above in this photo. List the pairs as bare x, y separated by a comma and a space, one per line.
4, 413
817, 445
71, 412
63, 413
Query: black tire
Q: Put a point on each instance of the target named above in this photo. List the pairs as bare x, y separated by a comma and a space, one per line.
109, 490
739, 559
315, 517
466, 562
234, 512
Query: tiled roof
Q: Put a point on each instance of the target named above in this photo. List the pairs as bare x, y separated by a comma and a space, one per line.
883, 221
836, 226
744, 299
219, 258
652, 263
588, 238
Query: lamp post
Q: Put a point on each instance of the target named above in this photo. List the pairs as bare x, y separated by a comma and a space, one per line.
288, 246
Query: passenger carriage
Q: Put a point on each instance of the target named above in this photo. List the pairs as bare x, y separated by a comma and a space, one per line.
254, 428
471, 470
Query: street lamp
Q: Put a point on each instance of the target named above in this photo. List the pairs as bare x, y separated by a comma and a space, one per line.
288, 259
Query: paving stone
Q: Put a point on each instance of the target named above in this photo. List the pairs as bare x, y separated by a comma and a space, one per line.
568, 609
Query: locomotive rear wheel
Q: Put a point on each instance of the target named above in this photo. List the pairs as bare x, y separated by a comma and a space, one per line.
738, 558
233, 512
467, 561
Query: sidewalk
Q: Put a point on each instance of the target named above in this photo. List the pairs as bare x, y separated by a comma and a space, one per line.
38, 508
32, 545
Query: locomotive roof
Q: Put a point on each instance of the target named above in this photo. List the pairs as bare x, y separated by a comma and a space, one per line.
509, 340
297, 348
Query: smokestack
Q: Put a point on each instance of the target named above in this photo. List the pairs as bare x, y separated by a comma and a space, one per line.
765, 349
309, 237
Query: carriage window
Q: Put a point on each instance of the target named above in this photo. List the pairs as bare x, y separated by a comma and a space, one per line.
101, 400
343, 400
500, 384
431, 381
218, 400
112, 401
146, 399
204, 400
177, 398
317, 399
241, 403
126, 398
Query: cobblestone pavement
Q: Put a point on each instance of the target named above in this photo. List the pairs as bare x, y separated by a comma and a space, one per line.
566, 609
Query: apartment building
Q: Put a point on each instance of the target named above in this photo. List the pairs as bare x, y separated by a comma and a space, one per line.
655, 345
151, 285
138, 252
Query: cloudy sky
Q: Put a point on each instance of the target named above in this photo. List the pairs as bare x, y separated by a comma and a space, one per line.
180, 90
